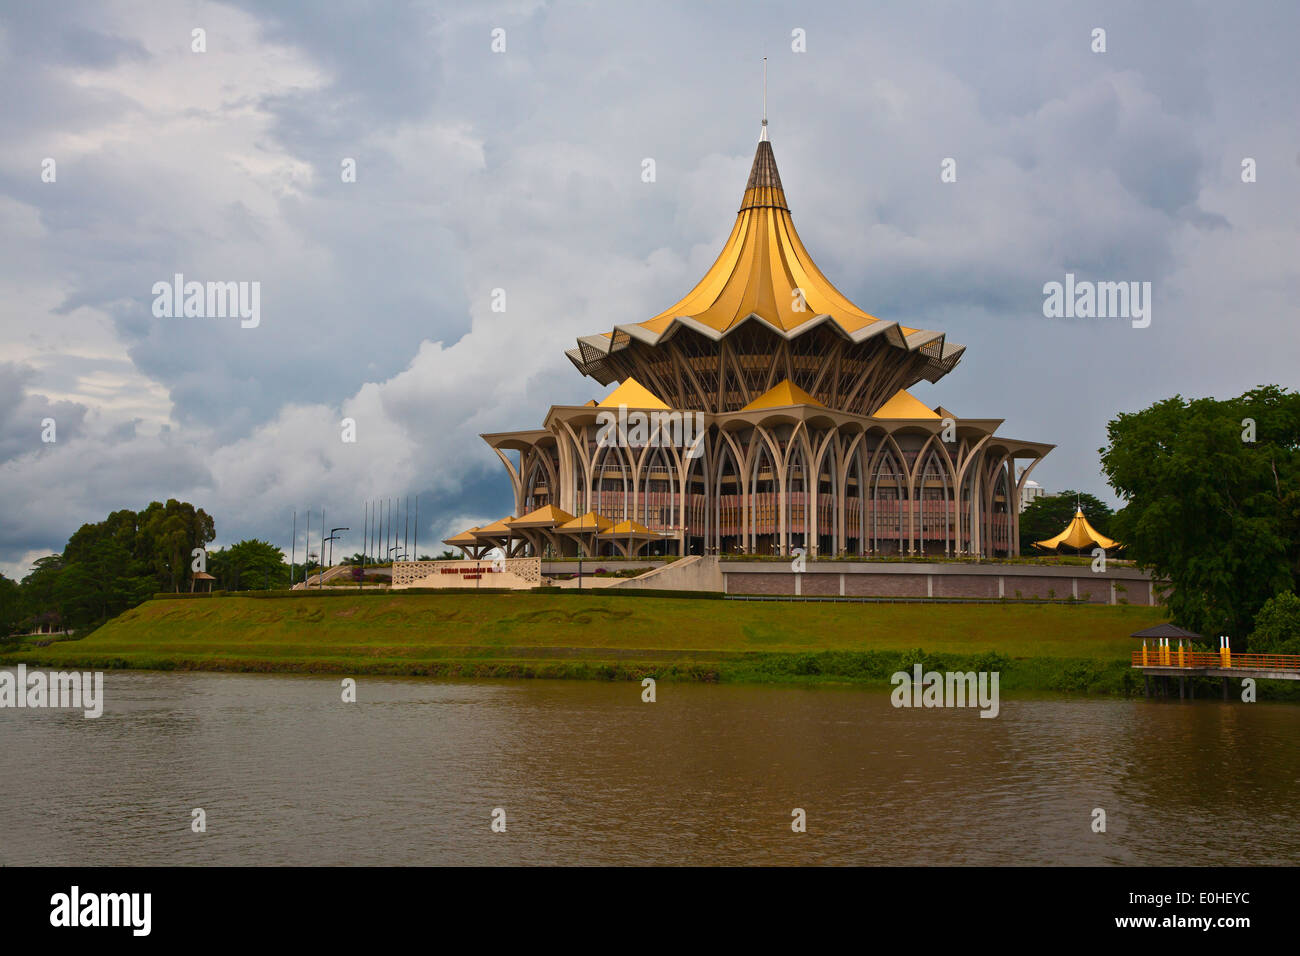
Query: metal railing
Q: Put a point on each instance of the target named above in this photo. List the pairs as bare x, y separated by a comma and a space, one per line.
1170, 657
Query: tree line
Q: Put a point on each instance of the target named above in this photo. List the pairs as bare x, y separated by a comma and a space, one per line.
112, 565
1211, 492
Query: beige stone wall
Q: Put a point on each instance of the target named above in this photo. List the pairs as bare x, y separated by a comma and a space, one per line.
980, 582
760, 583
819, 585
964, 586
884, 585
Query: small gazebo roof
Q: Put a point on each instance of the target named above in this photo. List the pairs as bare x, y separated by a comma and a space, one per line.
1078, 534
1167, 630
203, 576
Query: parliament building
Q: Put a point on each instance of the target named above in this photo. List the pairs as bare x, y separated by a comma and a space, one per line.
806, 436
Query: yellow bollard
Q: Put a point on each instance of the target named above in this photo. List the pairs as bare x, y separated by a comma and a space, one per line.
1180, 653
1144, 652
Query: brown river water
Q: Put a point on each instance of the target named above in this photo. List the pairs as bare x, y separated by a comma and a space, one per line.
586, 773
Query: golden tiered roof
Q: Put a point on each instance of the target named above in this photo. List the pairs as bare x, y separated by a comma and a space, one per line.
761, 265
755, 278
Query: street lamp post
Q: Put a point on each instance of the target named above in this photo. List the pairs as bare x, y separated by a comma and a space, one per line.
331, 540
582, 526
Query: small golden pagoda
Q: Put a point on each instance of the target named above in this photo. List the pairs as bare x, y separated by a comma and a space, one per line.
1078, 534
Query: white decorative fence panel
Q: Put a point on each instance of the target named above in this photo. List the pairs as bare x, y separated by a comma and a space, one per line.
501, 573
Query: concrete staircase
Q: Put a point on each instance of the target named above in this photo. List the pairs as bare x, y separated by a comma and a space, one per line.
696, 572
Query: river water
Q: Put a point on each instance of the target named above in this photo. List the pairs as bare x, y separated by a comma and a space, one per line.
586, 773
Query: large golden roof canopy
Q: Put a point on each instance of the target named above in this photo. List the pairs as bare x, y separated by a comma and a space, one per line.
765, 274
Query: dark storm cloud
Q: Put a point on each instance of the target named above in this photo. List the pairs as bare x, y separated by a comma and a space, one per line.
24, 416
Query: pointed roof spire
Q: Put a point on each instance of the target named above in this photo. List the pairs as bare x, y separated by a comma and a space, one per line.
762, 136
764, 186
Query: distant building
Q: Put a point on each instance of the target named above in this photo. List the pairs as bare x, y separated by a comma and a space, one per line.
1029, 492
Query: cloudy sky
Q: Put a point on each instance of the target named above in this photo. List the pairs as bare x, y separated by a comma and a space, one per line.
521, 170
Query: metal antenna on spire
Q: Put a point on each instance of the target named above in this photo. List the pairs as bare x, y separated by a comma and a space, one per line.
763, 136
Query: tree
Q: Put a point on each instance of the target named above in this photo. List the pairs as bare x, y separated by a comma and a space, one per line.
1047, 516
111, 565
172, 532
251, 565
1212, 501
39, 587
100, 585
11, 606
1277, 626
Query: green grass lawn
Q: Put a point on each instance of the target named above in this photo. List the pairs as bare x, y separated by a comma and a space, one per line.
526, 634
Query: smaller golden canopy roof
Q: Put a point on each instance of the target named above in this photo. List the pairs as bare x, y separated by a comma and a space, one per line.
632, 394
497, 529
627, 529
904, 405
782, 393
464, 539
588, 522
1078, 534
546, 516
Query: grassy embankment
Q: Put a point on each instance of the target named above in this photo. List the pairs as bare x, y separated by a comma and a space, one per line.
1036, 647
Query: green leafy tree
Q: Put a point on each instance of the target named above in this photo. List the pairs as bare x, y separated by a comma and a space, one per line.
1212, 501
11, 606
1047, 516
39, 588
172, 531
112, 565
100, 585
249, 565
1277, 626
